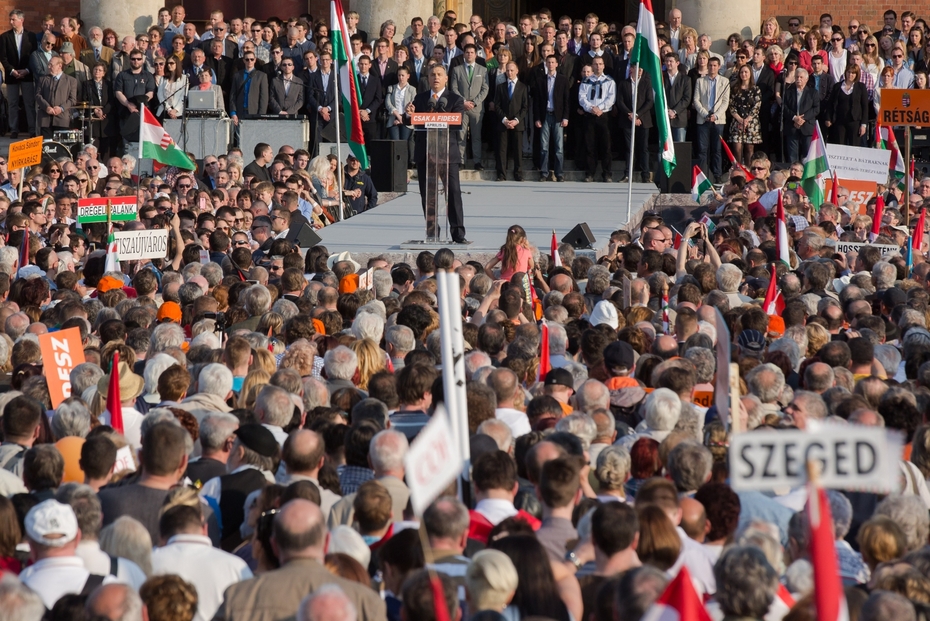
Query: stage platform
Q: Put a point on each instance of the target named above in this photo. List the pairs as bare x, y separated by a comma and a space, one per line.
491, 207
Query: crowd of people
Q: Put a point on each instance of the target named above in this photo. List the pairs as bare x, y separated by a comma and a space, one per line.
270, 393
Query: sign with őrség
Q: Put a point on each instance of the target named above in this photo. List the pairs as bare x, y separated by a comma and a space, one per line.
852, 457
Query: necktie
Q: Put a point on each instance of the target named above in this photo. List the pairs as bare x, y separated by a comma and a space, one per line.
510, 89
97, 53
471, 71
364, 82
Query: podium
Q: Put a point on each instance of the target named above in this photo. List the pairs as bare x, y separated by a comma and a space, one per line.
202, 137
436, 125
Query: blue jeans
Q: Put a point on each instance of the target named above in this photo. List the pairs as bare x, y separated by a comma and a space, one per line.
551, 130
678, 133
708, 149
399, 132
796, 145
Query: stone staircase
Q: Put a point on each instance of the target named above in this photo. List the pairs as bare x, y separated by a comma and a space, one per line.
570, 172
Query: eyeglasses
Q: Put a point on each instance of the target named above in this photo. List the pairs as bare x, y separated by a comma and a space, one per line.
277, 217
94, 167
838, 40
136, 60
249, 60
275, 268
757, 168
897, 55
256, 30
142, 40
241, 242
184, 187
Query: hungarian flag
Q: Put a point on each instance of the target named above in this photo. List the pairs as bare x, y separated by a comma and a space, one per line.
676, 242
815, 167
910, 178
829, 599
919, 231
679, 602
708, 221
112, 261
350, 91
544, 364
646, 54
774, 303
157, 144
877, 217
24, 250
114, 403
835, 190
781, 231
733, 162
885, 139
699, 184
554, 251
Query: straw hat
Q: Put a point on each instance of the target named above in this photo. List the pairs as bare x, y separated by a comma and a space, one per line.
130, 384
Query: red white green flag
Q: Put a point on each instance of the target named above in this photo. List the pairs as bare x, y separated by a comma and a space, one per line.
349, 88
781, 231
157, 144
646, 54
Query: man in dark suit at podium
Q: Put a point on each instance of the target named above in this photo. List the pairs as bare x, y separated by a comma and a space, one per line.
441, 99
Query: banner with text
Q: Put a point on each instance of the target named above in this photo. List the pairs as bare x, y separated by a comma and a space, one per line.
61, 352
853, 457
24, 153
122, 209
140, 245
844, 247
858, 163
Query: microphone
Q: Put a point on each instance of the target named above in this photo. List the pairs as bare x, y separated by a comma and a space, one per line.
430, 105
442, 103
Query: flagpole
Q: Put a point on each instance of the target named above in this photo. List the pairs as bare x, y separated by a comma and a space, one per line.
907, 172
629, 176
339, 135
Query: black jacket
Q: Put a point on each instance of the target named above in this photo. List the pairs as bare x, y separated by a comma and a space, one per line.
369, 198
853, 107
645, 101
561, 98
12, 58
448, 102
511, 107
372, 96
678, 98
808, 107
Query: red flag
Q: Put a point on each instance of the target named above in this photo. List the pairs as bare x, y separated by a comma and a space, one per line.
919, 231
733, 162
554, 251
114, 404
835, 191
677, 242
439, 598
544, 364
877, 217
829, 598
773, 304
680, 601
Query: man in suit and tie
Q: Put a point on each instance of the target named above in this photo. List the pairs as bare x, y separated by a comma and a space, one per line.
463, 40
321, 100
221, 64
385, 68
801, 105
249, 92
439, 98
56, 95
552, 103
16, 47
645, 102
97, 50
677, 97
417, 65
195, 64
469, 81
287, 90
711, 100
372, 98
511, 102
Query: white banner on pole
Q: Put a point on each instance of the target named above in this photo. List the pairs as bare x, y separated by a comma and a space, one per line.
453, 361
722, 383
432, 462
858, 163
853, 457
844, 247
144, 244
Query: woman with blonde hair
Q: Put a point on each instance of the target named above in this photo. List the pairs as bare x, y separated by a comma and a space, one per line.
613, 470
771, 34
325, 186
252, 384
688, 50
490, 581
371, 359
862, 226
817, 337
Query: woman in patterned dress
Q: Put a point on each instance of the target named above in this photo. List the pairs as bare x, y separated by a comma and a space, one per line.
745, 104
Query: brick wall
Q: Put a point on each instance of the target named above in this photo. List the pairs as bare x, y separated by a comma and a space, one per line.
866, 11
36, 11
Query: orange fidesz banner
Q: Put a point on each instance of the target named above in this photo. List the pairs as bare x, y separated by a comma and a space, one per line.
61, 352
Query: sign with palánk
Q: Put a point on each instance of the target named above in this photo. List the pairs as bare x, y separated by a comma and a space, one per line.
122, 209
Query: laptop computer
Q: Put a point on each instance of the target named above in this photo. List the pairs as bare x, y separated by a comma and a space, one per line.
201, 100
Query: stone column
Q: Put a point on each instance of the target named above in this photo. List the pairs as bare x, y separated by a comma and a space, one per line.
721, 19
373, 13
126, 18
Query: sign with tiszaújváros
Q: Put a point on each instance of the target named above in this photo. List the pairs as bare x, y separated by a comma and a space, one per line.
141, 245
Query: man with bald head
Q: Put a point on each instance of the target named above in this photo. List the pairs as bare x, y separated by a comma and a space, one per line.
561, 283
819, 377
328, 603
511, 408
665, 347
115, 601
299, 539
539, 454
694, 519
303, 456
654, 239
16, 325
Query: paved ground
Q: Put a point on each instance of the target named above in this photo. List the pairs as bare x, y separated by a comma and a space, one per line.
490, 208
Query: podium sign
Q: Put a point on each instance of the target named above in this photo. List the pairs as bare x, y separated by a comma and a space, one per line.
436, 125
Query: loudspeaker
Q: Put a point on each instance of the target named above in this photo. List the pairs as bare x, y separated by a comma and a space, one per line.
388, 164
580, 236
680, 181
306, 237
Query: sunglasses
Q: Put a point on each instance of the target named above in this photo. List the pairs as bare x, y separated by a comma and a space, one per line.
870, 45
241, 242
837, 40
249, 60
184, 187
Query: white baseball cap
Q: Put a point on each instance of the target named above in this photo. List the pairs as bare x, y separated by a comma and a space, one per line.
51, 523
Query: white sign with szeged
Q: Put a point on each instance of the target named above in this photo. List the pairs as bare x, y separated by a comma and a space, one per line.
853, 457
858, 163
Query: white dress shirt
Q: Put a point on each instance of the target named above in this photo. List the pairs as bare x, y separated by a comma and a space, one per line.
496, 510
599, 93
98, 562
56, 576
132, 425
209, 569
